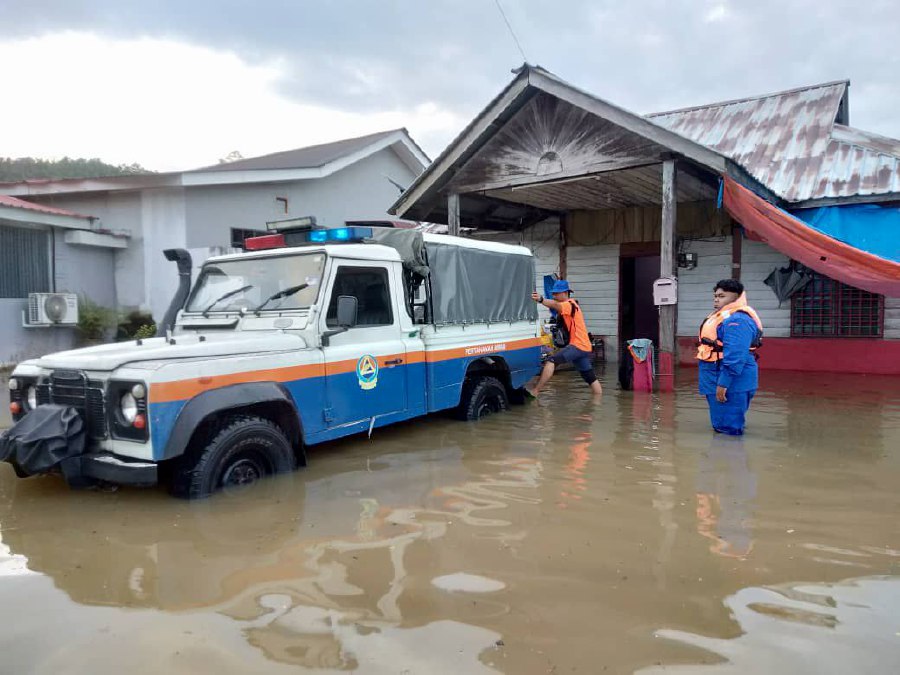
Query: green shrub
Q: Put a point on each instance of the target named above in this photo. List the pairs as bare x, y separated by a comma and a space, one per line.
94, 321
136, 325
145, 331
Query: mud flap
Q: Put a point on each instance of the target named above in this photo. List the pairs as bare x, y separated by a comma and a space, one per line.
49, 438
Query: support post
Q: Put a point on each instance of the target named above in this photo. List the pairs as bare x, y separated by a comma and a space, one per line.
737, 239
667, 313
563, 246
453, 213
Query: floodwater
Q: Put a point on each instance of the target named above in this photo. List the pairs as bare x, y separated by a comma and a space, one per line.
563, 536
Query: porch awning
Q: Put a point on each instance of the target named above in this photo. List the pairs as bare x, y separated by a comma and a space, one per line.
802, 243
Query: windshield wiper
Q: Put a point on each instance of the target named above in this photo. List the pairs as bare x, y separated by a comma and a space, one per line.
225, 297
287, 292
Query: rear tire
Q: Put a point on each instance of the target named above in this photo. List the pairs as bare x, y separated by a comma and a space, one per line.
481, 397
238, 454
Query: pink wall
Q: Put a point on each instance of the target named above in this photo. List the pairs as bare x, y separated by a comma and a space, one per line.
848, 355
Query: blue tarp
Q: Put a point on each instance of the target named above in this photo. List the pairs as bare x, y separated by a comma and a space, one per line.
549, 280
868, 227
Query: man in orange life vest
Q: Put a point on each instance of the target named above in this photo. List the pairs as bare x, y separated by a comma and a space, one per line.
726, 355
578, 350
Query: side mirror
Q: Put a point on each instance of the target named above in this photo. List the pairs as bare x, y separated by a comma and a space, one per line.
347, 308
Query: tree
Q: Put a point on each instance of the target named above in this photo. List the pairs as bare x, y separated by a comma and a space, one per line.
232, 156
27, 168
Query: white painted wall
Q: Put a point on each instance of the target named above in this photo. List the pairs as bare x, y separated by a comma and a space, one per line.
892, 318
88, 270
361, 191
593, 272
695, 287
201, 218
165, 226
115, 211
757, 262
84, 270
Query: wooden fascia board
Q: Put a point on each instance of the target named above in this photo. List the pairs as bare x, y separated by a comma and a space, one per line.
443, 165
629, 121
563, 176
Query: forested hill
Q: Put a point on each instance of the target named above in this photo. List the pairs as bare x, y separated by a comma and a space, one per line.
25, 168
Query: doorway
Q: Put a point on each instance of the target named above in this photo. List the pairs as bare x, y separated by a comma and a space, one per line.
638, 269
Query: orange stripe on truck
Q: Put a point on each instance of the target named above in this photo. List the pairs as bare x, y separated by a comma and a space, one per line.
179, 390
481, 350
163, 392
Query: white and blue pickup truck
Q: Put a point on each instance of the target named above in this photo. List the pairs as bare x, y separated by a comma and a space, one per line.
310, 335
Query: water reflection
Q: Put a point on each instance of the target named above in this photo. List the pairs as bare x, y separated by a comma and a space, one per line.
561, 536
726, 488
847, 627
314, 568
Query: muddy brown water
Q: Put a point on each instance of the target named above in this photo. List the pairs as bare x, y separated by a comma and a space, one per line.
563, 536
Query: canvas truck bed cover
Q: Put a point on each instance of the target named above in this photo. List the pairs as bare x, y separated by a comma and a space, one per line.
471, 281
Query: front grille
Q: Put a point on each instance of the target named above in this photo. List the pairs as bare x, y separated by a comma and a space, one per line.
95, 409
43, 393
72, 388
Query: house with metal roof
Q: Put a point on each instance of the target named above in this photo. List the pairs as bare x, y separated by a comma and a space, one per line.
614, 200
207, 210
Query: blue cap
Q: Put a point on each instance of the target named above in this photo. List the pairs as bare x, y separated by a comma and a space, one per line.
561, 286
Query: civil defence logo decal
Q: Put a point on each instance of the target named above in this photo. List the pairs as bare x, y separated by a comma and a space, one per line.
367, 371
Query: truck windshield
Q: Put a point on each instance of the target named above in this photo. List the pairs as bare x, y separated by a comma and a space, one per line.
234, 285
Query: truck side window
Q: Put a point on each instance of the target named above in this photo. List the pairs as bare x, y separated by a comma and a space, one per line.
369, 285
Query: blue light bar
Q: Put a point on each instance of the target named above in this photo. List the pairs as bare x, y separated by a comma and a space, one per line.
338, 234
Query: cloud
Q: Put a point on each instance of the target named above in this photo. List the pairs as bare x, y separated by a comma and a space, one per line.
718, 12
404, 62
169, 105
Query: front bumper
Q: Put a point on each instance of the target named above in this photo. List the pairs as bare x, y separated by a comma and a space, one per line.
51, 439
83, 470
112, 469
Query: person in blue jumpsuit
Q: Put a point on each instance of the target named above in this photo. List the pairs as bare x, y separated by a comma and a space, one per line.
730, 382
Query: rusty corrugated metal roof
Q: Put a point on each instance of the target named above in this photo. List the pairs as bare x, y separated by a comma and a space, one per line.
792, 143
16, 203
858, 163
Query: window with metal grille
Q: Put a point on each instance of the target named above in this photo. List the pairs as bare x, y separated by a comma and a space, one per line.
238, 235
828, 308
24, 261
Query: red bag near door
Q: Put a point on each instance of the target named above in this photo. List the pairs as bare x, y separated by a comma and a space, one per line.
641, 352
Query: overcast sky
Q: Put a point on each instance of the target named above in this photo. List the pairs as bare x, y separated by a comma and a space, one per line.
176, 84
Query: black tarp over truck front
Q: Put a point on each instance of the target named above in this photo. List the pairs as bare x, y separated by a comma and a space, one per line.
49, 437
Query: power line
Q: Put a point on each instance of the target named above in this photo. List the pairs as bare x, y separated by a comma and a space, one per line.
511, 31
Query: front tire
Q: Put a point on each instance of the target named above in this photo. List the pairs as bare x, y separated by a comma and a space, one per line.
482, 397
242, 452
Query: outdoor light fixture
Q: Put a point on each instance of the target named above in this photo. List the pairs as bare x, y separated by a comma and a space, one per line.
687, 260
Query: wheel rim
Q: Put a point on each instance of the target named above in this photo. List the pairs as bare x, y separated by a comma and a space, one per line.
244, 471
489, 405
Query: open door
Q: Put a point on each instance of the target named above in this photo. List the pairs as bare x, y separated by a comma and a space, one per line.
638, 316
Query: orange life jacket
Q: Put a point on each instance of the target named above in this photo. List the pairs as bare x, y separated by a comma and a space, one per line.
710, 347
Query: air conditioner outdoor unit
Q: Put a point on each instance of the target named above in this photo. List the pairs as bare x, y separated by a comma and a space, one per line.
52, 309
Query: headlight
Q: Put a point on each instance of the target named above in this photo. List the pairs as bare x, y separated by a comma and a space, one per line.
13, 384
139, 391
128, 407
31, 397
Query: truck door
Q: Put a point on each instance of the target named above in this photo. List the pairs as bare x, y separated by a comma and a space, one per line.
365, 374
